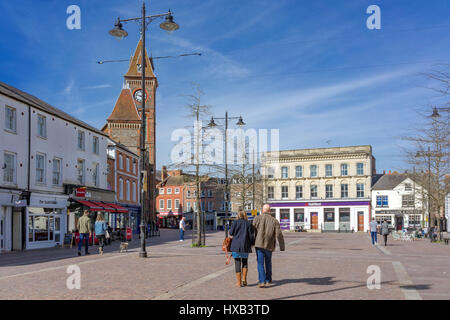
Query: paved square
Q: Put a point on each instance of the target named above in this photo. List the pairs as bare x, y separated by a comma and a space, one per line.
314, 266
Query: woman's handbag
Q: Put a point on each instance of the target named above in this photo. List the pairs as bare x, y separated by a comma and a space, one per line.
107, 236
226, 246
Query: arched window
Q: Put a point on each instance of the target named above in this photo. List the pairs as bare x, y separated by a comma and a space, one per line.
128, 190
120, 188
134, 192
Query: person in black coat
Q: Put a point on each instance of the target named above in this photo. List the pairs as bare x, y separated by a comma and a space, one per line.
243, 238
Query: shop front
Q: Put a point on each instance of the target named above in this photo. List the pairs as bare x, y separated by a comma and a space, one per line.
46, 218
134, 217
169, 219
336, 216
8, 214
400, 219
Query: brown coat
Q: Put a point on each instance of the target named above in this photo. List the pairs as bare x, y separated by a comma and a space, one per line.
267, 231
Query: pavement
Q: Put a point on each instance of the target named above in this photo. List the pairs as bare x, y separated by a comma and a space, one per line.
314, 266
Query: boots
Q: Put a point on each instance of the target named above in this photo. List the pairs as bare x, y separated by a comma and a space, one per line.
244, 276
238, 279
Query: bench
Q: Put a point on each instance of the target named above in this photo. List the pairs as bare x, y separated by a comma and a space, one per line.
446, 237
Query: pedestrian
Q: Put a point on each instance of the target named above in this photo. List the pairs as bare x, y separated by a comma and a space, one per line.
182, 228
109, 234
267, 231
100, 230
84, 227
373, 231
385, 231
243, 237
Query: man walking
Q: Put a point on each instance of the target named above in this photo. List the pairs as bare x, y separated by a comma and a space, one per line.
385, 231
267, 231
373, 231
84, 228
182, 228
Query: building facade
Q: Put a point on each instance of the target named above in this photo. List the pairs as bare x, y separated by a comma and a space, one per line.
43, 151
397, 199
324, 189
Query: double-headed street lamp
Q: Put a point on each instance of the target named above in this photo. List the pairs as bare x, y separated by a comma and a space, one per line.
211, 124
436, 114
118, 32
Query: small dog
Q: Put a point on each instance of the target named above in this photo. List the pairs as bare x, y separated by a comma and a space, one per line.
124, 246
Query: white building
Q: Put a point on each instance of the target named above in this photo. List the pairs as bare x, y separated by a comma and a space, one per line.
42, 149
397, 199
325, 189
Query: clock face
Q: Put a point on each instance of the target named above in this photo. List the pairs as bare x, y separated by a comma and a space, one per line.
138, 95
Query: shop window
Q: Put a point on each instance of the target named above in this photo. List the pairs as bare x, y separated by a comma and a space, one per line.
328, 214
299, 215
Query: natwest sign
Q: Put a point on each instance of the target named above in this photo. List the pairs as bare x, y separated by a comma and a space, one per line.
80, 192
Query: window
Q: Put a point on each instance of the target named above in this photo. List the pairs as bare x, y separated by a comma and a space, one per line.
10, 119
177, 204
169, 190
9, 171
134, 166
81, 140
210, 194
42, 126
382, 201
161, 204
95, 174
313, 191
313, 170
284, 172
298, 192
169, 204
161, 190
195, 206
270, 172
328, 170
299, 215
120, 189
95, 147
56, 180
128, 190
210, 206
329, 191
360, 190
177, 190
248, 206
188, 193
40, 168
344, 190
284, 192
298, 171
128, 165
407, 200
80, 171
134, 192
120, 161
188, 206
328, 214
408, 187
344, 169
270, 193
360, 168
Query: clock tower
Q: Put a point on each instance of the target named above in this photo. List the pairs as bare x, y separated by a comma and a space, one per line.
124, 123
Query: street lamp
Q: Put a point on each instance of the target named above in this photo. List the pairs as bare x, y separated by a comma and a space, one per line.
436, 114
212, 124
119, 33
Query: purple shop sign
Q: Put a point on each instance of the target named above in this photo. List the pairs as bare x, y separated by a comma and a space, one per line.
319, 204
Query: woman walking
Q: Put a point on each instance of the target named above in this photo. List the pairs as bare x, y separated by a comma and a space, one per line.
243, 238
100, 228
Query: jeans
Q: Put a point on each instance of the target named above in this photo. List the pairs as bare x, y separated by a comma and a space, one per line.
385, 239
238, 262
101, 240
84, 237
181, 234
374, 237
264, 258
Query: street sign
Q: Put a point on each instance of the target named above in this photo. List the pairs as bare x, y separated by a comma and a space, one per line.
80, 192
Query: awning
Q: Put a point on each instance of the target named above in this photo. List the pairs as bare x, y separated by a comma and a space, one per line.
118, 208
92, 206
105, 206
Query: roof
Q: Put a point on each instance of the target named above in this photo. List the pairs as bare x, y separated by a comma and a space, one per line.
132, 70
389, 181
37, 103
125, 109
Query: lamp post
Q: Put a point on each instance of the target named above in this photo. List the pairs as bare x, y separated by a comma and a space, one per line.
211, 124
118, 32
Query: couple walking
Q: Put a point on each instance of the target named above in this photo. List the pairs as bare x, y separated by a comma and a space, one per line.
262, 233
85, 230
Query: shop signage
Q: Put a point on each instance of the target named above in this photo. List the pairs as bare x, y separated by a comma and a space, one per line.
48, 202
80, 192
20, 203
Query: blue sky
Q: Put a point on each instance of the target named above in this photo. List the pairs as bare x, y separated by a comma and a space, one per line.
309, 68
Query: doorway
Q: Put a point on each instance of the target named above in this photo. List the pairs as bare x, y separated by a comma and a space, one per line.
314, 220
399, 223
360, 220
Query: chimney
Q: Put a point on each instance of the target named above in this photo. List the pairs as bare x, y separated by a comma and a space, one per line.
163, 173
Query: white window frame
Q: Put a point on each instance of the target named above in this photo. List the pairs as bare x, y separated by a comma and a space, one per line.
359, 191
328, 174
169, 190
311, 191
284, 194
311, 171
177, 190
358, 173
128, 164
161, 204
299, 171
95, 144
43, 168
344, 165
177, 204
14, 169
270, 192
81, 134
14, 119
134, 192
42, 128
120, 189
284, 172
59, 172
297, 192
95, 172
83, 175
346, 190
128, 186
169, 204
328, 191
161, 190
120, 161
